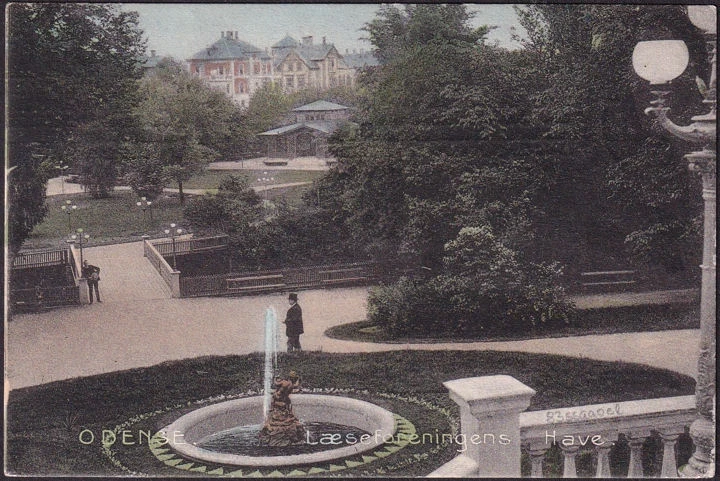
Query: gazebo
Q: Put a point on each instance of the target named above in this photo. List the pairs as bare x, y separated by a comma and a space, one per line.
306, 137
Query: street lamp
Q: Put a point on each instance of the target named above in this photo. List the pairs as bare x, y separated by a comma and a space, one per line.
145, 204
69, 208
266, 181
659, 62
80, 237
62, 168
173, 232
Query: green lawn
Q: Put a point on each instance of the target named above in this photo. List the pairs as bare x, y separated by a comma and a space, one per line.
115, 219
585, 322
118, 219
44, 422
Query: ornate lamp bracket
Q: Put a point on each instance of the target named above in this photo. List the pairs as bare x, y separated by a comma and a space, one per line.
702, 131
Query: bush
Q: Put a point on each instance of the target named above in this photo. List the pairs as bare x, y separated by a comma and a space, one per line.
484, 288
407, 306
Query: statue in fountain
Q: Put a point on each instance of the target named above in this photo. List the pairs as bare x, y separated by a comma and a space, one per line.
281, 427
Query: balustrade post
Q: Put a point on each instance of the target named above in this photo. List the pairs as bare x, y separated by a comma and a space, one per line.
537, 458
569, 453
636, 440
669, 438
490, 408
603, 455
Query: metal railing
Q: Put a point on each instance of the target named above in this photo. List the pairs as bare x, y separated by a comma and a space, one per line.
39, 259
295, 278
36, 299
185, 246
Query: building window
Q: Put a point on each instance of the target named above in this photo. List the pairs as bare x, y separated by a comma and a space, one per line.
298, 66
332, 64
301, 81
221, 70
289, 81
257, 69
289, 67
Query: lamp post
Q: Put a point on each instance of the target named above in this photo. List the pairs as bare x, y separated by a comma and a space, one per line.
660, 62
145, 204
80, 237
266, 181
173, 232
69, 208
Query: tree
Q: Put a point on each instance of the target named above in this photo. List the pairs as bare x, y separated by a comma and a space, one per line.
68, 66
609, 178
184, 126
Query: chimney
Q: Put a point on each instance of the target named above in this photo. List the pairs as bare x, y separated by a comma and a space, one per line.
222, 34
306, 41
236, 35
229, 34
152, 52
323, 40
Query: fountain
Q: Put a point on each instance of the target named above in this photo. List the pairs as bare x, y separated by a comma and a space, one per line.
272, 431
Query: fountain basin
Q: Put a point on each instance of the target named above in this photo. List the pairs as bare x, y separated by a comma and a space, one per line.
198, 424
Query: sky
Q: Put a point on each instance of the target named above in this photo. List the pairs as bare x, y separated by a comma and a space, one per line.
180, 30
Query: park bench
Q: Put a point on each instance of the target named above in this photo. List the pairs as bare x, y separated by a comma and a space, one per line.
342, 276
607, 280
255, 283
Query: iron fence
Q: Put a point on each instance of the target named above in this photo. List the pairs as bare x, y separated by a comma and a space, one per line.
329, 275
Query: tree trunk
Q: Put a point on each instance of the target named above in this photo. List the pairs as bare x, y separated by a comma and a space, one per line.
180, 189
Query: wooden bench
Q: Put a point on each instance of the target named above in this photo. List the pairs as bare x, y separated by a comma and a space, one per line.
607, 279
342, 276
255, 283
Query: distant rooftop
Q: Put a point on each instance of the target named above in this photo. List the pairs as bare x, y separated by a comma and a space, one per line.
358, 60
228, 47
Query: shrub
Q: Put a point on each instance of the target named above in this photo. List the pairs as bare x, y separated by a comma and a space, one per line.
485, 287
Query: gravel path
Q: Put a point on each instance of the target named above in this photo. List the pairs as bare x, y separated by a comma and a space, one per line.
138, 325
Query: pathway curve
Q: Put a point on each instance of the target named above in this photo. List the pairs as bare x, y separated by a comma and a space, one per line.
139, 325
57, 187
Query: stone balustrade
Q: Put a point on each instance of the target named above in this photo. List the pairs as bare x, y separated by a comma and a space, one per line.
598, 427
497, 430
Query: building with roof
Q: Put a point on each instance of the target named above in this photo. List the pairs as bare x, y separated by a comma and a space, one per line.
233, 66
240, 69
305, 64
307, 135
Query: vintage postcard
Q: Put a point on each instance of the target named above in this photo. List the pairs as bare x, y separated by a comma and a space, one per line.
360, 240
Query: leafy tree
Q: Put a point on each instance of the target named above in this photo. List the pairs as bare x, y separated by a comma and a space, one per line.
185, 125
69, 66
230, 211
611, 177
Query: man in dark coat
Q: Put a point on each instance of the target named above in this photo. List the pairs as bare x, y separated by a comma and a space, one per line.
293, 324
92, 274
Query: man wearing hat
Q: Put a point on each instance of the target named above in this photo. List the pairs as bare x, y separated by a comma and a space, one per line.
293, 324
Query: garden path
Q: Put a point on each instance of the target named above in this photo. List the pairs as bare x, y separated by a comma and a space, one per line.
139, 325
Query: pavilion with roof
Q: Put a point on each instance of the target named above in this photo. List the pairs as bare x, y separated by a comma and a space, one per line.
307, 135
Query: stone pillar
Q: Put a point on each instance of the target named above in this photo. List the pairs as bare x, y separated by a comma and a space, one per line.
490, 408
175, 283
84, 293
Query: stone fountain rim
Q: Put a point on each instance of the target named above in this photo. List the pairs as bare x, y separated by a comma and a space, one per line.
385, 427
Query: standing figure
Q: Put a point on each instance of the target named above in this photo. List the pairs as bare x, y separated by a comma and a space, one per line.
293, 324
92, 274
